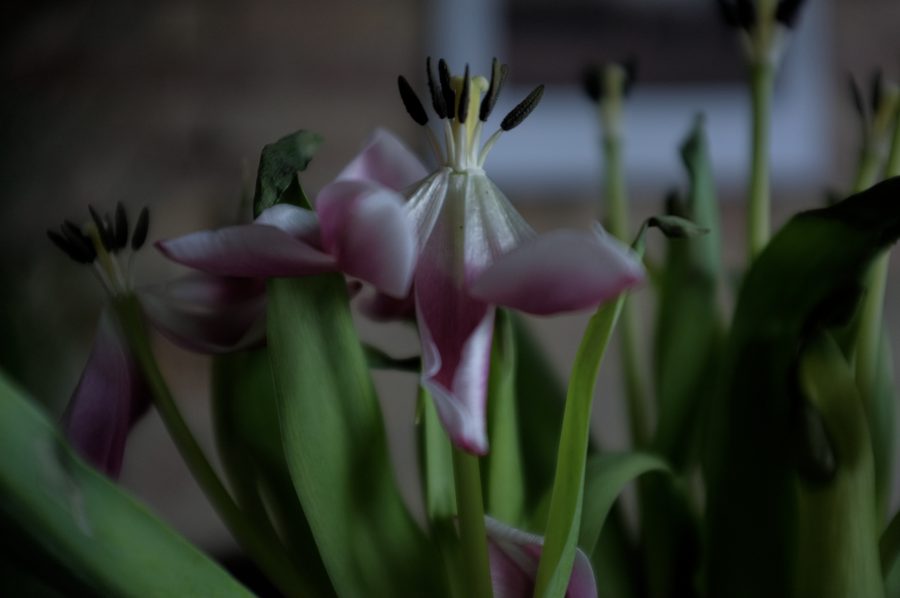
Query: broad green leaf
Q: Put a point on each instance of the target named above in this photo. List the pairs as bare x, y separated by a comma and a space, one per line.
85, 534
670, 536
335, 444
807, 278
276, 179
605, 478
566, 501
248, 438
688, 329
502, 467
837, 529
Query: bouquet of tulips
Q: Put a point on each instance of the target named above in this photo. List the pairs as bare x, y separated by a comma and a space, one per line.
761, 433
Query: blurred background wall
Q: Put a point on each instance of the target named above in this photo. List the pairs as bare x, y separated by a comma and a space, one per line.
168, 104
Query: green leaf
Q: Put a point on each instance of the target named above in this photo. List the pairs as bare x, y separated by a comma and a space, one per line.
807, 278
276, 179
837, 529
566, 501
688, 329
541, 401
688, 342
335, 444
502, 467
439, 492
248, 439
83, 532
605, 478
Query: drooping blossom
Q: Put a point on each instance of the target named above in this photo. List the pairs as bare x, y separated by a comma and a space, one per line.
476, 252
358, 227
514, 556
112, 393
110, 397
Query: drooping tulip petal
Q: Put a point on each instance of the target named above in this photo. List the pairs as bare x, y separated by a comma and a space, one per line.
110, 397
385, 160
298, 222
208, 314
464, 222
365, 228
249, 250
514, 556
562, 270
456, 352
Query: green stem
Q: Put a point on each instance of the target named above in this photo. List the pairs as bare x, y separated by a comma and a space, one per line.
617, 221
871, 320
616, 200
261, 547
635, 386
472, 533
758, 217
867, 172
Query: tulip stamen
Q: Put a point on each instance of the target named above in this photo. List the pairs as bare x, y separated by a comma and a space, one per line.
464, 105
100, 242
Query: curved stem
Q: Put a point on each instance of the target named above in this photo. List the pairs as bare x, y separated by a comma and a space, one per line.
260, 546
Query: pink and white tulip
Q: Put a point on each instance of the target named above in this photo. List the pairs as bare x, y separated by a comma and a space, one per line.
358, 227
476, 252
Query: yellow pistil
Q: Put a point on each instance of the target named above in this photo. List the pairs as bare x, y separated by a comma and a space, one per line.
468, 139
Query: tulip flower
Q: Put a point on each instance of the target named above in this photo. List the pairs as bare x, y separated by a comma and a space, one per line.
514, 556
457, 239
476, 252
358, 227
207, 314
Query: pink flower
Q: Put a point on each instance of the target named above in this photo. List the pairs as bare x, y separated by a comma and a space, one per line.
476, 252
110, 397
208, 314
358, 227
514, 556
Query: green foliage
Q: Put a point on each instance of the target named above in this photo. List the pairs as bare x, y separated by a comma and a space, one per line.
335, 444
67, 530
808, 278
605, 478
276, 180
688, 328
688, 340
502, 467
837, 526
248, 439
564, 519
